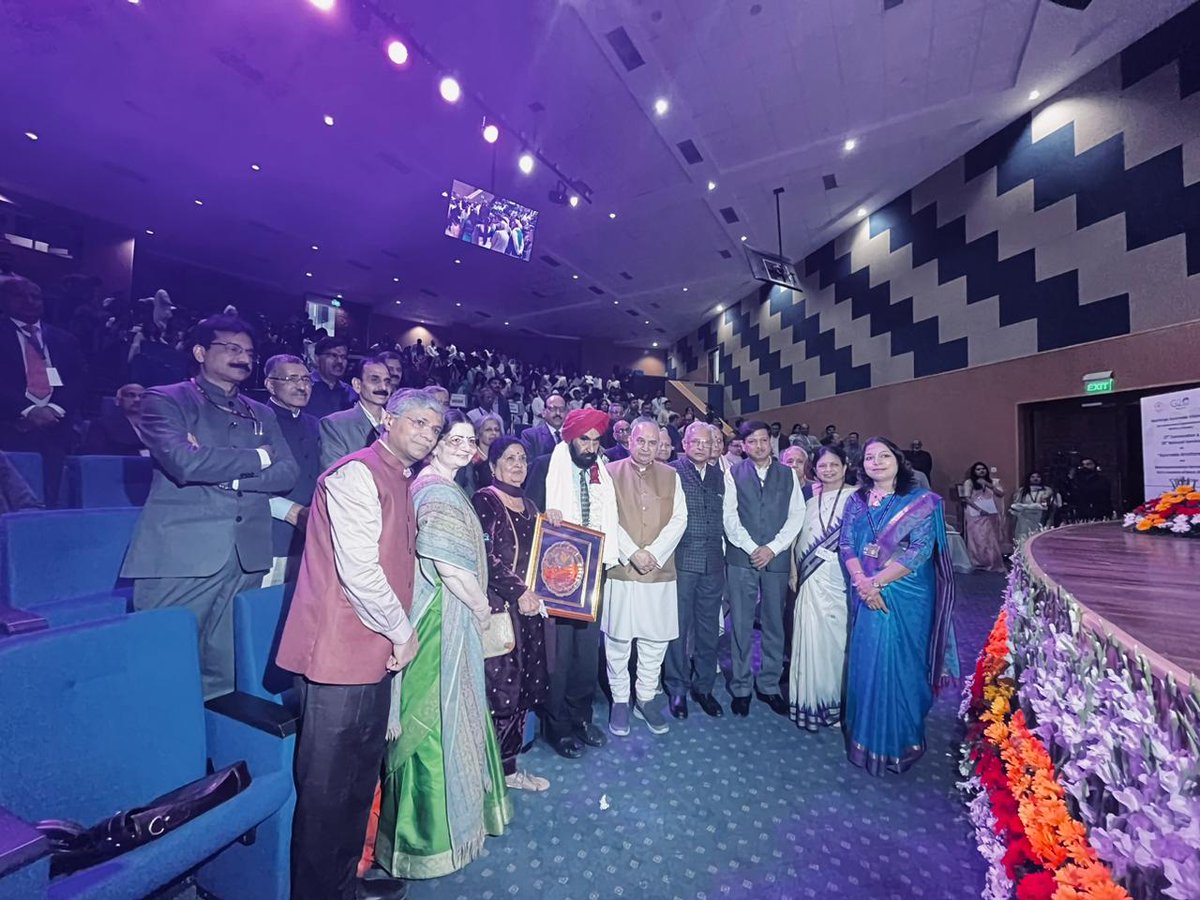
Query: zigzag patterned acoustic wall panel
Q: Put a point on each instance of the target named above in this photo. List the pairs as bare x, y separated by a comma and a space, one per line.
1076, 223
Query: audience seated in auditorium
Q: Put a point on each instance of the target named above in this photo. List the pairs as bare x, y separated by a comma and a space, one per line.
115, 432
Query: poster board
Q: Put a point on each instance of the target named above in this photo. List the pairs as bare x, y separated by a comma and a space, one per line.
1170, 440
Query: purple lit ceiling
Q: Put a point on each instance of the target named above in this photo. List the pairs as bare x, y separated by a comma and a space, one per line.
141, 108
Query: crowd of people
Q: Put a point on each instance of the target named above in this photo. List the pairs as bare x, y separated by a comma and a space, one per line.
403, 506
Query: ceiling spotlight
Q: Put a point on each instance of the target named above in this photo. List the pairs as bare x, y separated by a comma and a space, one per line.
397, 302
647, 322
743, 237
720, 308
329, 121
576, 277
505, 323
150, 232
654, 344
458, 262
445, 193
323, 5
315, 247
616, 303
661, 106
135, 2
861, 213
1033, 95
458, 303
612, 215
255, 167
396, 279
198, 202
31, 135
574, 201
525, 163
397, 52
308, 274
712, 185
450, 89
491, 133
685, 290
850, 144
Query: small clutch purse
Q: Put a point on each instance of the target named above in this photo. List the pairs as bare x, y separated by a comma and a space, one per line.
499, 639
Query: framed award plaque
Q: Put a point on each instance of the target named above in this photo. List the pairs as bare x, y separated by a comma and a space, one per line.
565, 568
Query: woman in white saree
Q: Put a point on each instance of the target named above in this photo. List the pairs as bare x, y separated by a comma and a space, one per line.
820, 625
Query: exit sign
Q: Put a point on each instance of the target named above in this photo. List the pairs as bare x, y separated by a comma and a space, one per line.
1099, 386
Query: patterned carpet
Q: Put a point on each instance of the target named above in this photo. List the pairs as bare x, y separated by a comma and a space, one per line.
739, 808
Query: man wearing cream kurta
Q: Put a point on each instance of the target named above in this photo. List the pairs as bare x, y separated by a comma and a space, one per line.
640, 593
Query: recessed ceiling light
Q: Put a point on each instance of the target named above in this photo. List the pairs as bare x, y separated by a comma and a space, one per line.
255, 167
612, 215
647, 322
685, 290
450, 89
323, 5
135, 2
397, 302
396, 279
198, 202
861, 212
445, 193
525, 163
150, 231
315, 247
457, 303
308, 274
1033, 95
32, 135
743, 237
458, 262
655, 344
661, 106
712, 185
329, 121
720, 308
616, 303
576, 277
397, 52
505, 323
491, 133
850, 144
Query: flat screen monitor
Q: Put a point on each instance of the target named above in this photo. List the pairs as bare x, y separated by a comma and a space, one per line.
503, 226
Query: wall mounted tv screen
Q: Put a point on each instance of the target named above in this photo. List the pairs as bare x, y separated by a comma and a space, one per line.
494, 223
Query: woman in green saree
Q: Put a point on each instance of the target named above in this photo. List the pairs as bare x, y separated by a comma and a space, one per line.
443, 779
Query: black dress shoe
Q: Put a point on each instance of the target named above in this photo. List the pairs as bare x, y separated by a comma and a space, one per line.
679, 707
775, 701
709, 704
591, 735
378, 885
740, 706
568, 747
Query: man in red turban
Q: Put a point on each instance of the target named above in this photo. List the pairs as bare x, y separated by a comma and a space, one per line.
570, 485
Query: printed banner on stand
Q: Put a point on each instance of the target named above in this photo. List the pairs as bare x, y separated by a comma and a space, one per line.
1170, 440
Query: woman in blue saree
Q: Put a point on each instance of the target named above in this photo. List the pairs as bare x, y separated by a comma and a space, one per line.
893, 546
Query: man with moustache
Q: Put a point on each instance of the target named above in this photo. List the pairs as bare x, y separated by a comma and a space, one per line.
289, 386
620, 447
542, 439
571, 486
640, 596
347, 631
329, 393
204, 534
763, 510
349, 430
700, 566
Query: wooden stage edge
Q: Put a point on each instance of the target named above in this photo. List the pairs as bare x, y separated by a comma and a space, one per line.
1142, 590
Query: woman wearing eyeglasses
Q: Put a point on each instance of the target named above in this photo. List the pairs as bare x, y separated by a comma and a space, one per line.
443, 780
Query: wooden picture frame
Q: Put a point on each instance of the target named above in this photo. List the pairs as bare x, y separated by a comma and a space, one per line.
565, 569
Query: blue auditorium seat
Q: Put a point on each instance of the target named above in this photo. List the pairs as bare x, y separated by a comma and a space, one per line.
107, 716
64, 564
30, 467
257, 622
107, 481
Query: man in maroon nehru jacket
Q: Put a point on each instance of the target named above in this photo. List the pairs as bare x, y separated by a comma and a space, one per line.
347, 632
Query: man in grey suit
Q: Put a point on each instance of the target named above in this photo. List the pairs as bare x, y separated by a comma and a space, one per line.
353, 429
204, 534
542, 439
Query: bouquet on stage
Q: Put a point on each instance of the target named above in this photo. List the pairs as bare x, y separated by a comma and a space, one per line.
565, 568
1175, 512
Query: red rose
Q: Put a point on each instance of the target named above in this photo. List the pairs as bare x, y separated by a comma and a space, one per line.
1037, 886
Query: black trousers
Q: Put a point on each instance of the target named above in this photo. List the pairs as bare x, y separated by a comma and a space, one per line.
692, 657
573, 681
339, 755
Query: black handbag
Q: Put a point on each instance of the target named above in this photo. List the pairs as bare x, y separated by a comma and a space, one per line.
74, 847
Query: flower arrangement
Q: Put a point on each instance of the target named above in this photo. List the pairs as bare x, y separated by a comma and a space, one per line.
1081, 767
1176, 511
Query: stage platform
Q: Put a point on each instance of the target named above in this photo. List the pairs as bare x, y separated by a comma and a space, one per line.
1142, 589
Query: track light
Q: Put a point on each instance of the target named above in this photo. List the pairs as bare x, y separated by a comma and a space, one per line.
491, 133
450, 89
525, 163
397, 52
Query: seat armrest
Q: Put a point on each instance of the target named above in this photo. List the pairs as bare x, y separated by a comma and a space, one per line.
274, 719
20, 621
20, 843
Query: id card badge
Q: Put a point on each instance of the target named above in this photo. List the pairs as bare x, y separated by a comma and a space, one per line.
53, 376
826, 554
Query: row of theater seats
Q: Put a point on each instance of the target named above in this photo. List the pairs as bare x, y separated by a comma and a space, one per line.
101, 709
92, 481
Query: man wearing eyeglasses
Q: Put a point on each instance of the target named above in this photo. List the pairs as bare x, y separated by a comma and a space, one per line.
329, 393
204, 534
287, 382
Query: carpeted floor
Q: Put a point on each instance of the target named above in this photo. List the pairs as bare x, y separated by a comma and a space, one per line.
740, 808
